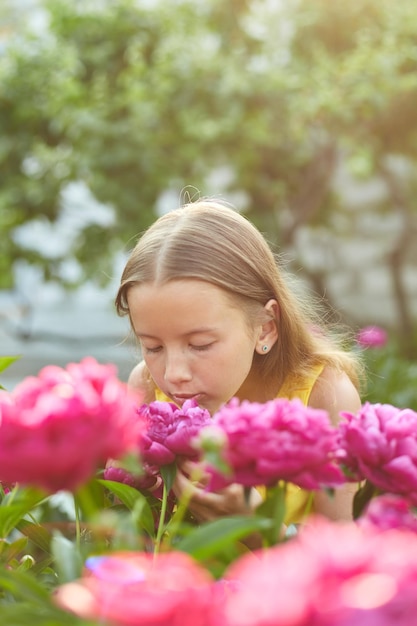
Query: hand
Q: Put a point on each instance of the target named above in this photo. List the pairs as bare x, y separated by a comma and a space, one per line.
206, 506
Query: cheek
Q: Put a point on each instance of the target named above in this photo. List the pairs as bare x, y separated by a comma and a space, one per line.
155, 366
236, 351
247, 348
239, 361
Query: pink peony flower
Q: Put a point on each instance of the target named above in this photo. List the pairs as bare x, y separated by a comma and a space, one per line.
57, 428
171, 430
131, 588
144, 482
372, 337
332, 574
279, 440
389, 511
380, 444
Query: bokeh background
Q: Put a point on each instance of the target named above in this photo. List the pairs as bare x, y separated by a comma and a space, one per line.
301, 113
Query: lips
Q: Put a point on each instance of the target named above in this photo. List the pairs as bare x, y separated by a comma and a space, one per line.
180, 398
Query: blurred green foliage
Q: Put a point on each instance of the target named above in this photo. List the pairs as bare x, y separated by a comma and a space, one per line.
392, 379
134, 99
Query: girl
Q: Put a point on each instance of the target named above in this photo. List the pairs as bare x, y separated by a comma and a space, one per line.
215, 319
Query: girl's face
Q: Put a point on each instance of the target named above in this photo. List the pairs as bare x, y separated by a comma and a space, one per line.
194, 342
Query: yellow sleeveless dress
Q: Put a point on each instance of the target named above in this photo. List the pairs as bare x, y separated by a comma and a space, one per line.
293, 387
297, 501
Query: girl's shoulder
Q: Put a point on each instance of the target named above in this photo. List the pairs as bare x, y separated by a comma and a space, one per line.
140, 380
334, 392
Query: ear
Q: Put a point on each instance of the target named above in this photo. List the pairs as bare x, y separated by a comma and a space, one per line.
268, 334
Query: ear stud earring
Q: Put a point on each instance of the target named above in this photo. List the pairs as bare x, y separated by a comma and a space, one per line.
264, 348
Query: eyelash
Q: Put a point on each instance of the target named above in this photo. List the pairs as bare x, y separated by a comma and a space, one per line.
202, 348
152, 350
196, 348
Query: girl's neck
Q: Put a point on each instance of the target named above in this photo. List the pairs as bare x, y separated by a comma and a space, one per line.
255, 389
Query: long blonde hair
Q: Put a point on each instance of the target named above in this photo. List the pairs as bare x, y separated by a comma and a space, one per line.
210, 241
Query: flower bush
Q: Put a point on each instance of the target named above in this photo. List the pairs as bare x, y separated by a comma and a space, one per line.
392, 376
90, 532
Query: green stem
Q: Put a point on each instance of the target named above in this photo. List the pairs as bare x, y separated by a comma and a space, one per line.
180, 512
279, 510
77, 525
273, 508
161, 525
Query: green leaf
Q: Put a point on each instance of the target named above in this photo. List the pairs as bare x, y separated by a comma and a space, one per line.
90, 498
362, 497
125, 493
67, 558
9, 518
6, 361
142, 514
36, 533
24, 613
15, 506
168, 473
23, 585
24, 496
10, 551
211, 538
135, 501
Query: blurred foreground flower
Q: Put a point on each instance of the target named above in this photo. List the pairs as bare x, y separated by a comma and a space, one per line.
372, 337
279, 440
329, 575
132, 588
58, 428
379, 444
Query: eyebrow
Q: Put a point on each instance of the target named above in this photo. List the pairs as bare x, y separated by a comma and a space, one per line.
196, 331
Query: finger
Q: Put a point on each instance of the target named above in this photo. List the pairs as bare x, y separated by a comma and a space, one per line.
156, 485
193, 470
192, 489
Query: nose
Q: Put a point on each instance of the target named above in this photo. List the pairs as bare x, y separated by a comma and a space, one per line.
177, 368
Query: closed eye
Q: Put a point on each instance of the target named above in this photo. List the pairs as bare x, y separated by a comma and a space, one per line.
202, 348
152, 350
